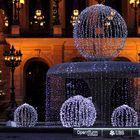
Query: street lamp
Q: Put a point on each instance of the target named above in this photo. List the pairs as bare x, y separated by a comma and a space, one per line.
12, 59
135, 5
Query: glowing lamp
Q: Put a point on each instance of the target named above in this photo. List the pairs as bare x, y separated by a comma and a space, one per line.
38, 12
76, 12
22, 1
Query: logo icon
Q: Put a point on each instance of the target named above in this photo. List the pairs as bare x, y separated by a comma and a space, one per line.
112, 133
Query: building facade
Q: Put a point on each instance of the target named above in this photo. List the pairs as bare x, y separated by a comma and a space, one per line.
50, 44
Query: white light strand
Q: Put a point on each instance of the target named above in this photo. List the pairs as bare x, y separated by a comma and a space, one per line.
124, 116
25, 116
88, 69
99, 32
54, 95
77, 111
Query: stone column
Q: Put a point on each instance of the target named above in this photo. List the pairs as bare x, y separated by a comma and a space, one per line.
57, 28
24, 16
15, 28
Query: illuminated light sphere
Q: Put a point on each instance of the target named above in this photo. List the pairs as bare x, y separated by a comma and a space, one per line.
77, 111
99, 32
124, 116
25, 116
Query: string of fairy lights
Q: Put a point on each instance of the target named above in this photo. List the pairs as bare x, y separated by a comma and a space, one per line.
124, 116
25, 116
77, 111
107, 34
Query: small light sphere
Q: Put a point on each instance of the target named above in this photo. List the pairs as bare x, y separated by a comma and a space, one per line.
78, 111
25, 116
124, 116
99, 32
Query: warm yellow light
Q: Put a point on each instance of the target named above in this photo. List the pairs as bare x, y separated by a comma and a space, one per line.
12, 57
38, 12
109, 17
76, 12
6, 23
41, 23
113, 13
6, 58
107, 24
74, 17
132, 1
22, 1
19, 58
138, 2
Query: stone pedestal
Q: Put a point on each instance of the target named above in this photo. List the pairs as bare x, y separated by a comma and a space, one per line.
57, 31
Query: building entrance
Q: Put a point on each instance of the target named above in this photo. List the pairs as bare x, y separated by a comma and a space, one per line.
36, 86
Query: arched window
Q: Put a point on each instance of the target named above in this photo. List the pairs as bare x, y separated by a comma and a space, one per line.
39, 16
35, 80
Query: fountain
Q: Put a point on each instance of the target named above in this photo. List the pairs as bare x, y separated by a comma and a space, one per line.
99, 35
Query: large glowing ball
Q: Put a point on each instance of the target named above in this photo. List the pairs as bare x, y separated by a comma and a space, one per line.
124, 116
99, 32
25, 116
77, 111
